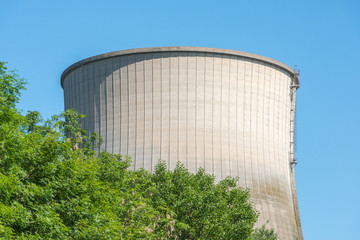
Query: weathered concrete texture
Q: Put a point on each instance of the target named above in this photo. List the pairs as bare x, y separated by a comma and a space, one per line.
225, 111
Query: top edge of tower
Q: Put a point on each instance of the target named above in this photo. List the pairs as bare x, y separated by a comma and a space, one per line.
177, 49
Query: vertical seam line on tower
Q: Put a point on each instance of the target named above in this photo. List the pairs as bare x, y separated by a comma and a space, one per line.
99, 107
236, 117
152, 110
178, 115
161, 105
243, 128
229, 132
136, 111
128, 102
106, 103
251, 137
221, 116
113, 102
104, 116
271, 167
279, 217
263, 136
94, 99
120, 106
187, 110
204, 144
257, 133
212, 113
196, 129
257, 125
169, 141
144, 127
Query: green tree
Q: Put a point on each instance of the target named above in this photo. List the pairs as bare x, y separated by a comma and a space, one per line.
54, 186
264, 234
202, 209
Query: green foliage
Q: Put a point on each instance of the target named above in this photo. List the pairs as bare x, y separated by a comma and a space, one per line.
11, 86
264, 234
54, 186
200, 208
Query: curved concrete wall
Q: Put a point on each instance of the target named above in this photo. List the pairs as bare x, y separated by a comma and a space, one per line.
226, 111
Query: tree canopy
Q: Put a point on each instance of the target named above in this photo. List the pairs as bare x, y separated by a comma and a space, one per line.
54, 186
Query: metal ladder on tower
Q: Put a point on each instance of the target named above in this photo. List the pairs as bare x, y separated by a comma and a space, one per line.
294, 85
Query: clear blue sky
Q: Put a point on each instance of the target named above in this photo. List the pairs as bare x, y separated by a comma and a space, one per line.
42, 38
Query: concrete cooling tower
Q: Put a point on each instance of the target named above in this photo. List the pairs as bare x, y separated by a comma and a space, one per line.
229, 112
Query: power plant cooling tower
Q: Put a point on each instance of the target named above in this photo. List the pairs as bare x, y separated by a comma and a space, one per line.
229, 112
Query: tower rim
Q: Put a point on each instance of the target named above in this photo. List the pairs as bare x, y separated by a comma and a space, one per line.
177, 49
